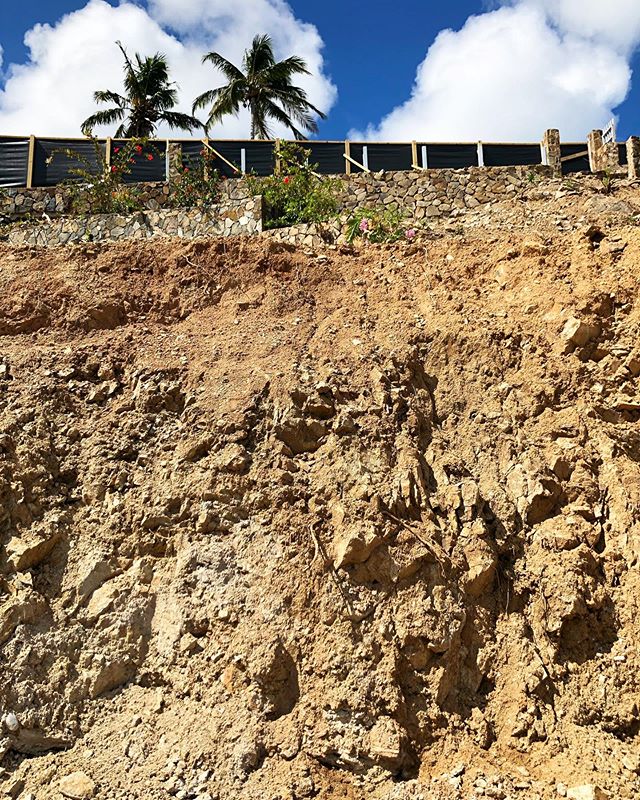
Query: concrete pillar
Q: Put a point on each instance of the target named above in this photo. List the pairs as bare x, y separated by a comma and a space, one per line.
174, 161
551, 143
633, 157
597, 161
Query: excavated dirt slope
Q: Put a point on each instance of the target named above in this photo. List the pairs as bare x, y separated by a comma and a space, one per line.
347, 524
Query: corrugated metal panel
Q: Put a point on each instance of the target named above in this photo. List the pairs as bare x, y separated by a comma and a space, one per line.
52, 165
451, 156
329, 156
150, 165
356, 155
580, 164
622, 154
14, 157
192, 154
389, 156
260, 157
511, 155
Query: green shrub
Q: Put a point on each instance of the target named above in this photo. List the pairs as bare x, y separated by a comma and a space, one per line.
384, 224
102, 190
198, 184
296, 194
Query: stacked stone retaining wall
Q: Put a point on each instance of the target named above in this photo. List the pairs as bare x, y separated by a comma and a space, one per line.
232, 218
19, 203
439, 192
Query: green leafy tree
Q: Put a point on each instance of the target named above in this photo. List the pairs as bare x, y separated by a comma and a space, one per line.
265, 88
149, 98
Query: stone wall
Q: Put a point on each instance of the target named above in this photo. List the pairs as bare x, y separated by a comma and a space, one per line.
18, 203
439, 192
231, 218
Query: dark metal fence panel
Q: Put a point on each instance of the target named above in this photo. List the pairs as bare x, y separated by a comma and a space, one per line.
14, 160
232, 151
580, 164
191, 153
53, 161
329, 156
149, 164
52, 165
356, 152
451, 156
622, 154
260, 157
389, 157
511, 155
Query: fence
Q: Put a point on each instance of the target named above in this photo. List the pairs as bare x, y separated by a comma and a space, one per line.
33, 162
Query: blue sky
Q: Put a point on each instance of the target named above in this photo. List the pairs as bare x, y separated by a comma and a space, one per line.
371, 56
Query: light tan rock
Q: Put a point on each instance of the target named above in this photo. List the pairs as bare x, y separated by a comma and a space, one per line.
77, 786
102, 600
587, 792
24, 552
578, 332
354, 545
387, 741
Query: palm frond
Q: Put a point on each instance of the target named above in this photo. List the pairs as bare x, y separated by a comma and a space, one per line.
280, 116
229, 70
205, 99
110, 97
182, 122
106, 117
259, 56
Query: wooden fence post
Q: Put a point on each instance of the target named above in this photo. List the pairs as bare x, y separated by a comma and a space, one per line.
414, 154
276, 151
32, 152
347, 151
107, 152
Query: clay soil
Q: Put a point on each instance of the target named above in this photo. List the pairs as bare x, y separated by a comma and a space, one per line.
352, 523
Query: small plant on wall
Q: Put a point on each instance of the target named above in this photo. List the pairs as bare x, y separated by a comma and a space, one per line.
197, 182
296, 193
98, 185
377, 225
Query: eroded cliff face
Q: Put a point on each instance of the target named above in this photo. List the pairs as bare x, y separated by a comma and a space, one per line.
282, 524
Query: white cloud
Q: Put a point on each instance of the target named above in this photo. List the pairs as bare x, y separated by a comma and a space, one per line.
509, 74
53, 93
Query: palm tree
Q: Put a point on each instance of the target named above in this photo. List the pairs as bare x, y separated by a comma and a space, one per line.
264, 87
149, 98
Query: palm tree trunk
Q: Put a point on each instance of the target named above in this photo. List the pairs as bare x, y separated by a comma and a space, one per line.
252, 111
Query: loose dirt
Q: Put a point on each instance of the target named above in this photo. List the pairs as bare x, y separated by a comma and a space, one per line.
354, 523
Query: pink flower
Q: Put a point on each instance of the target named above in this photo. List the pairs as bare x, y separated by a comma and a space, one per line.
410, 233
116, 150
149, 157
286, 180
138, 148
114, 169
364, 225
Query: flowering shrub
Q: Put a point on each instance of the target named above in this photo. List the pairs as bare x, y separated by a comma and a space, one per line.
199, 182
301, 195
377, 225
101, 190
